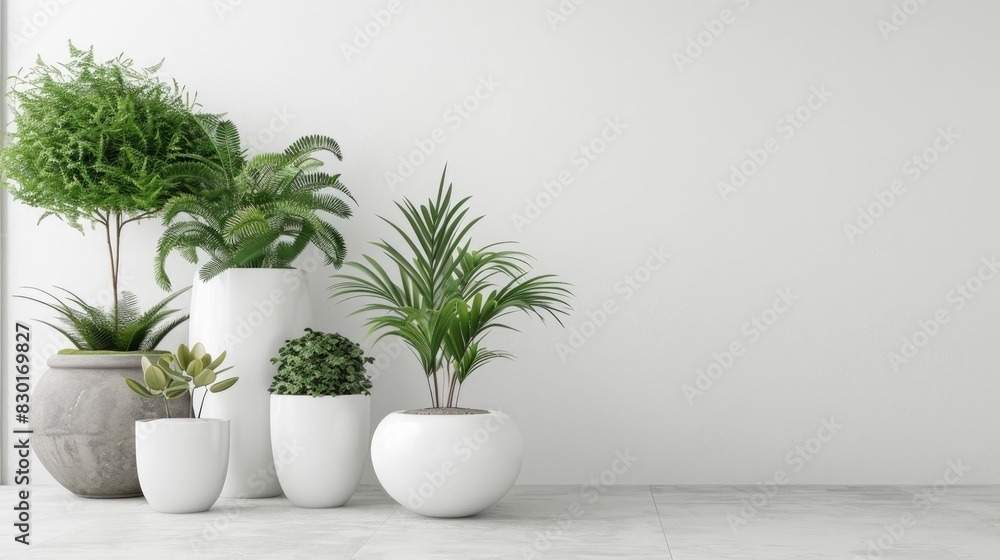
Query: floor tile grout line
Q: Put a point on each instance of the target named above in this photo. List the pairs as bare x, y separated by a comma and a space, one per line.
660, 519
377, 529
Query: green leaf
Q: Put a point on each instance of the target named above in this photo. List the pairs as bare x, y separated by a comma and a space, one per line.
139, 389
206, 377
223, 385
155, 378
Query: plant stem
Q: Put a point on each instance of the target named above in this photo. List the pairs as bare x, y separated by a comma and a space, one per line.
451, 389
166, 405
458, 393
429, 390
436, 401
111, 256
202, 407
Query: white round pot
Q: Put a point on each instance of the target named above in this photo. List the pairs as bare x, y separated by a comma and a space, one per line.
249, 313
182, 462
447, 465
320, 446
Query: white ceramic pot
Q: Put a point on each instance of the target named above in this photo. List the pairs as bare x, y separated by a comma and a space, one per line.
320, 446
249, 313
182, 462
447, 465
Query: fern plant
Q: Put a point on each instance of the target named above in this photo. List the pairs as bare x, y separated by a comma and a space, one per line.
443, 297
258, 212
92, 140
124, 328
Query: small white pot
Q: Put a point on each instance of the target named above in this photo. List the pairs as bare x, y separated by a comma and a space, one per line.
249, 313
447, 465
182, 462
320, 446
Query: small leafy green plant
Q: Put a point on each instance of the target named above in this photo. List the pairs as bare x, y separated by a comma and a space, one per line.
174, 375
443, 297
260, 212
127, 329
318, 364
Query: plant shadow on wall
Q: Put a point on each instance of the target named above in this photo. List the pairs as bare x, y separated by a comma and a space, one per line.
442, 301
90, 144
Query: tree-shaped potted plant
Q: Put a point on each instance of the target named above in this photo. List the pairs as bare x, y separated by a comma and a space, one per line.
253, 218
442, 299
182, 461
90, 143
320, 418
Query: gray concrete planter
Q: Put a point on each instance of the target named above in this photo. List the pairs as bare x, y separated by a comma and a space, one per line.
83, 416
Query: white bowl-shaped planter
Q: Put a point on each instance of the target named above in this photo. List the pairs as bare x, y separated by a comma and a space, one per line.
447, 465
182, 462
249, 313
320, 446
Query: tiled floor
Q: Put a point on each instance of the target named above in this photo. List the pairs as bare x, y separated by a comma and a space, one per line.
659, 522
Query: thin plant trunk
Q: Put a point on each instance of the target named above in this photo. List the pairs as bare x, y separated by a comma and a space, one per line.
451, 390
106, 221
166, 405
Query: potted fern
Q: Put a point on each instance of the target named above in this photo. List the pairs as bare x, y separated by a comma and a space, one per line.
320, 418
252, 219
90, 145
182, 461
443, 300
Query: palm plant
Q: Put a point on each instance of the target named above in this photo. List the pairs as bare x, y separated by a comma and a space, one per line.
260, 212
124, 328
446, 297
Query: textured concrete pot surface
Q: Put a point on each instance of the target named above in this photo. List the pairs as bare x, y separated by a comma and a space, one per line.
83, 416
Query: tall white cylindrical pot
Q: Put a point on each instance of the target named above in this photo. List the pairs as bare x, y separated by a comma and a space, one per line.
447, 465
320, 445
181, 462
249, 313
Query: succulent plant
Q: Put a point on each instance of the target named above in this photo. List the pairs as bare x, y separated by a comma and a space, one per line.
173, 375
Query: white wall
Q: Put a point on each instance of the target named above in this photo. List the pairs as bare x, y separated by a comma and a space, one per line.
654, 186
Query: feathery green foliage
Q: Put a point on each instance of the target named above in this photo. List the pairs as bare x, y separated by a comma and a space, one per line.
92, 140
319, 364
125, 329
260, 212
175, 375
446, 297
